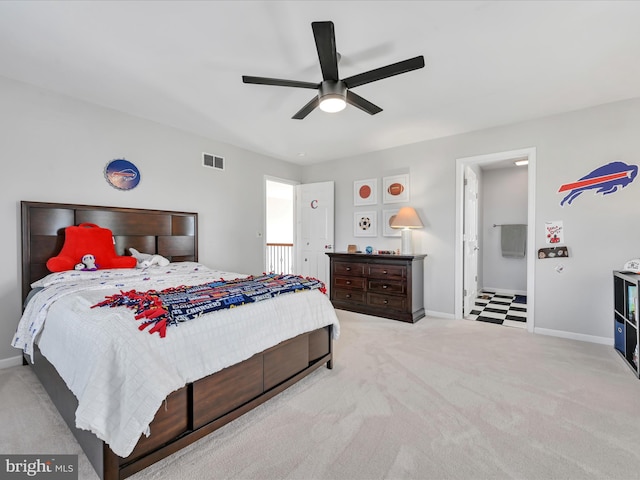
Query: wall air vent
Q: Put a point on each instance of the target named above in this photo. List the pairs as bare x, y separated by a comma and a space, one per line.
212, 161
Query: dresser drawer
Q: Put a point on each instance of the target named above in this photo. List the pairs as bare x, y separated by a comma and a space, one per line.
385, 287
393, 272
387, 301
348, 268
352, 296
357, 283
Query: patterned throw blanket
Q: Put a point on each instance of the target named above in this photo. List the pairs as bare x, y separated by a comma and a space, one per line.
179, 304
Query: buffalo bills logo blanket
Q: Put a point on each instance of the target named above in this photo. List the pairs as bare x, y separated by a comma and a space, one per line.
159, 309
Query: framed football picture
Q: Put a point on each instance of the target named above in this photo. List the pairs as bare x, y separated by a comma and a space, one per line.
365, 224
365, 192
395, 189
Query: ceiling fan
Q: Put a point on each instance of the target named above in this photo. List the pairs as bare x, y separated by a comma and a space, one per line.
334, 93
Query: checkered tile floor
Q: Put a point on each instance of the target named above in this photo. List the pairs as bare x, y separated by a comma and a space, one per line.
501, 309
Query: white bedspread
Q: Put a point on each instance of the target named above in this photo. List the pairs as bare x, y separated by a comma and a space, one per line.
121, 375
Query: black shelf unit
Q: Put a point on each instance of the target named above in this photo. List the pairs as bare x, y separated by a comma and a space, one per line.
625, 322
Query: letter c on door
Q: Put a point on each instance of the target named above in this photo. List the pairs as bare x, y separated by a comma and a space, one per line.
314, 204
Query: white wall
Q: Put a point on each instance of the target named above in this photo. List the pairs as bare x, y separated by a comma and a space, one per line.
55, 149
504, 201
601, 232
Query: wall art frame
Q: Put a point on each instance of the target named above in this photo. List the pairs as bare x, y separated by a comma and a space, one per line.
387, 218
395, 189
365, 224
365, 192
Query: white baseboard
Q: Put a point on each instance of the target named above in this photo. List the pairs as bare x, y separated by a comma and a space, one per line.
503, 290
431, 313
574, 336
10, 362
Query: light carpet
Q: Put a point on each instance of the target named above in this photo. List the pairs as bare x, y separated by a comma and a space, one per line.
440, 399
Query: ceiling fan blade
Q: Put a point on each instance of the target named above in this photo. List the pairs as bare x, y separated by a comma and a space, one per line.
279, 82
307, 109
362, 104
385, 72
326, 46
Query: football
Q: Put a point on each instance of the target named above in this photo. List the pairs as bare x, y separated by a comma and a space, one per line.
395, 189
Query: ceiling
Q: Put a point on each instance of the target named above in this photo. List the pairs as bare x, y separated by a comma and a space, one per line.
180, 63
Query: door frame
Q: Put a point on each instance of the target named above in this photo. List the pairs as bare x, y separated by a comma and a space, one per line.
486, 159
467, 293
265, 218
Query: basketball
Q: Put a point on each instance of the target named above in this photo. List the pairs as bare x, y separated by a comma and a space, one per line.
365, 191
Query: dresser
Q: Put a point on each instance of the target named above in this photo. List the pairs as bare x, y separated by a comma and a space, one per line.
390, 286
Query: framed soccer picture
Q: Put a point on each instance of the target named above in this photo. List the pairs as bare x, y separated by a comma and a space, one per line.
365, 224
395, 189
387, 218
365, 192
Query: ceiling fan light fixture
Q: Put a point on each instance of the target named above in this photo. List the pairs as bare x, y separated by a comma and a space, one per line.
332, 96
332, 103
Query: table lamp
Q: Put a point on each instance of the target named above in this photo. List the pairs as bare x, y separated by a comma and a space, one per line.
406, 219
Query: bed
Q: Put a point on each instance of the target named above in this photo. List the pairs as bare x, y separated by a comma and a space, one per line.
194, 408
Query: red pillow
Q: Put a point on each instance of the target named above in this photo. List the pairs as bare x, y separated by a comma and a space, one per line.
88, 238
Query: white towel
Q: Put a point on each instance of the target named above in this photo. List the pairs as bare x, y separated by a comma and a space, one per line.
513, 240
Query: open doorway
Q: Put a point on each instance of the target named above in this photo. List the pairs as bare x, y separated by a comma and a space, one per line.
280, 226
469, 243
299, 226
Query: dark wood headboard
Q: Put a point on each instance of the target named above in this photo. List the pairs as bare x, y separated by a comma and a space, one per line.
173, 235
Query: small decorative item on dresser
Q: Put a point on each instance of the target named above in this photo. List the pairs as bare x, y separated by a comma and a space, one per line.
352, 249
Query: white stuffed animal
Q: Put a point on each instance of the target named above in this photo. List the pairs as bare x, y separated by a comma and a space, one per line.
146, 260
88, 262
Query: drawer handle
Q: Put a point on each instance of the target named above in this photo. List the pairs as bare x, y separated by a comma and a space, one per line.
347, 268
348, 282
348, 295
386, 301
384, 271
384, 286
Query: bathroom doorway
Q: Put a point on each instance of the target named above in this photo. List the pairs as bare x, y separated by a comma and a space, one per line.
494, 283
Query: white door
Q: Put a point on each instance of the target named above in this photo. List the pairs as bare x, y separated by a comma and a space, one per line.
314, 232
470, 237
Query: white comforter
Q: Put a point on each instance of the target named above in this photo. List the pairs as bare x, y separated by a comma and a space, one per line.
121, 375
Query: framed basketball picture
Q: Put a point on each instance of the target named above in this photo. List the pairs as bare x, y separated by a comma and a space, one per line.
395, 189
387, 218
365, 224
365, 192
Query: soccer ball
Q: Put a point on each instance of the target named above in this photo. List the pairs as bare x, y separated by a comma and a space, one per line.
365, 223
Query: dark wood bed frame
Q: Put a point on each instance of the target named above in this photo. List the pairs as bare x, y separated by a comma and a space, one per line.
198, 408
